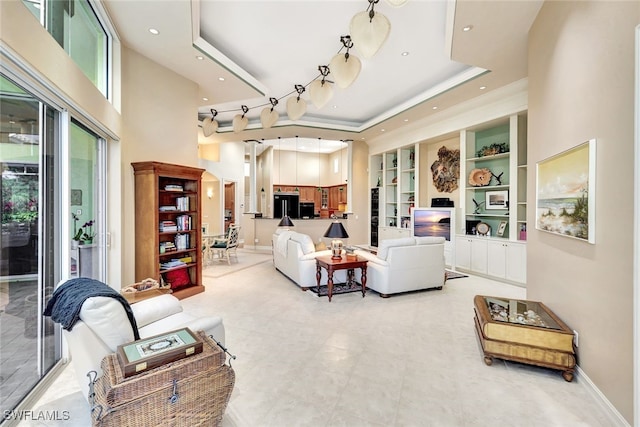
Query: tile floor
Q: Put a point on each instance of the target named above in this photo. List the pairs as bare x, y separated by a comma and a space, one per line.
409, 360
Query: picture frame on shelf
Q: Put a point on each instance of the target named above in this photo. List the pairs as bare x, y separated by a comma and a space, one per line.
497, 199
565, 193
501, 228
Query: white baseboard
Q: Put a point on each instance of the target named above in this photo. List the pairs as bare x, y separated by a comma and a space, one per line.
616, 418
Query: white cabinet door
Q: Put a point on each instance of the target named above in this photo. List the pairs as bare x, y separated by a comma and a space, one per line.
463, 253
496, 259
516, 262
471, 254
479, 255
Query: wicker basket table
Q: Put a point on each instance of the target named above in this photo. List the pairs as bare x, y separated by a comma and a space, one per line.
193, 391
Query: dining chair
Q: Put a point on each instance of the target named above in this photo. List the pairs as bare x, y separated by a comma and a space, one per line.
225, 248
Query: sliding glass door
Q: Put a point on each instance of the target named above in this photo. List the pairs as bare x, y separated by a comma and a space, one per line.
52, 179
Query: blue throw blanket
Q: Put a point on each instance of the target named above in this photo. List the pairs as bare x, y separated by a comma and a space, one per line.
66, 302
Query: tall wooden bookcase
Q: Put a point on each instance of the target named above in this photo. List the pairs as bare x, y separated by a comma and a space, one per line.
168, 224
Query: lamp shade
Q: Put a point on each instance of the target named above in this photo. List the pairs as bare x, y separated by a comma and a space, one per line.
268, 117
239, 123
209, 126
296, 107
336, 231
345, 69
369, 34
320, 92
285, 222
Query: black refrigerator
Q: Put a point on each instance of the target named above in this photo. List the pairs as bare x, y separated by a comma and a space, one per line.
289, 203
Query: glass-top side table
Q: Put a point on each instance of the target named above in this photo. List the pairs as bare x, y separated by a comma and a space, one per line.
524, 331
521, 312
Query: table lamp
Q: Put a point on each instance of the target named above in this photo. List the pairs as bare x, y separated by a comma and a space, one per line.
285, 222
336, 232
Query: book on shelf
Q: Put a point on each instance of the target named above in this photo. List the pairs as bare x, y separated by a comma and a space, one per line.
183, 222
172, 264
173, 187
182, 203
167, 247
182, 241
168, 208
168, 226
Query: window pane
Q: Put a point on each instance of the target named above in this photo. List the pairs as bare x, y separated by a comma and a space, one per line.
86, 220
74, 25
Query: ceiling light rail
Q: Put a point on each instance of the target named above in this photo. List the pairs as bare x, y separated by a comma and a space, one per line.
369, 31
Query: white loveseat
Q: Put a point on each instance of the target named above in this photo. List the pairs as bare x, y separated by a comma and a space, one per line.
294, 255
405, 264
104, 325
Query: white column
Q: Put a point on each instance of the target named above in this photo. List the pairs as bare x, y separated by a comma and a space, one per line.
252, 177
349, 175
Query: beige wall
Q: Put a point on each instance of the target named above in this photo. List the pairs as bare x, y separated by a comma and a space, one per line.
581, 86
159, 111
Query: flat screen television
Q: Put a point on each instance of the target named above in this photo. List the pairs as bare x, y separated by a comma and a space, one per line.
433, 222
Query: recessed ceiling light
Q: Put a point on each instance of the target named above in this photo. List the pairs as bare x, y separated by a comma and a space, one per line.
205, 99
199, 57
483, 87
335, 106
381, 130
434, 108
405, 54
154, 31
406, 120
221, 79
467, 28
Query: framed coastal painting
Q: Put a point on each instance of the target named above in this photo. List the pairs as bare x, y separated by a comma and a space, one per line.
565, 193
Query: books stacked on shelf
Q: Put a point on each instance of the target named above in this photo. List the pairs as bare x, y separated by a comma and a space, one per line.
183, 222
182, 241
172, 264
168, 226
186, 259
167, 208
172, 187
182, 203
167, 247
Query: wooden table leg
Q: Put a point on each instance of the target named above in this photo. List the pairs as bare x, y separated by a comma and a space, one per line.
318, 275
363, 279
330, 282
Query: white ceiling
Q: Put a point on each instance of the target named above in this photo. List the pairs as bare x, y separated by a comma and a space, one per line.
263, 48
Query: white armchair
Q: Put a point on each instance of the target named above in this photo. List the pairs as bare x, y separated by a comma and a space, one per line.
104, 325
405, 264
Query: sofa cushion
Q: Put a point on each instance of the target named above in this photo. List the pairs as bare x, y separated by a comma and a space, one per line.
305, 242
383, 248
430, 240
107, 318
320, 246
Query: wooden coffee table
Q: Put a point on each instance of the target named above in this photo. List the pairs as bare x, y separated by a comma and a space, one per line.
344, 263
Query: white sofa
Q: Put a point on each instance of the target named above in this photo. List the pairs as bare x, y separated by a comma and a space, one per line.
294, 255
104, 325
405, 264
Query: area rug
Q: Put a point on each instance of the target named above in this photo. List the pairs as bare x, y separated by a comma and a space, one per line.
245, 259
454, 275
337, 289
